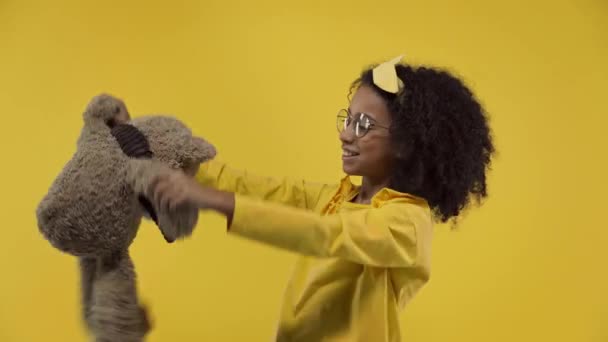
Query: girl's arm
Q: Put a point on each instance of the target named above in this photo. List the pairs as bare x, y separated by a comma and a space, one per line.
397, 234
296, 193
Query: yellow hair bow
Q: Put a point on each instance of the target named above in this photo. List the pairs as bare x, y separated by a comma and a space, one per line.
385, 76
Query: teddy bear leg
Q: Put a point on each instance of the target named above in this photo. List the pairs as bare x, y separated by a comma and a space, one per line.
115, 312
88, 267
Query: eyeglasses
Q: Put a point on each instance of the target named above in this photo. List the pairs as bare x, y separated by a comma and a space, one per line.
362, 123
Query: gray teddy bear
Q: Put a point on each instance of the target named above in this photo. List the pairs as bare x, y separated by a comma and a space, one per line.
93, 210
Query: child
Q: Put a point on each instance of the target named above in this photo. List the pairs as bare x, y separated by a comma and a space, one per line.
422, 145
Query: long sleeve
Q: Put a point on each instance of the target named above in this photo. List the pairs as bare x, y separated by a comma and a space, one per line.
296, 193
389, 236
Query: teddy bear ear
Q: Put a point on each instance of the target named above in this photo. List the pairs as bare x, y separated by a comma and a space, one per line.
104, 109
201, 150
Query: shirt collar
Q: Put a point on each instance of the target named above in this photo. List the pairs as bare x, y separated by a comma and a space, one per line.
348, 190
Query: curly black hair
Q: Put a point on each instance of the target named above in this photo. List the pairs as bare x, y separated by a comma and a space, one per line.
441, 135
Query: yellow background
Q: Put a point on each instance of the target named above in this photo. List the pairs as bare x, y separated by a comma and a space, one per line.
263, 81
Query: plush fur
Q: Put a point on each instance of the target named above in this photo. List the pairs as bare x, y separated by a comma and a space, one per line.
92, 211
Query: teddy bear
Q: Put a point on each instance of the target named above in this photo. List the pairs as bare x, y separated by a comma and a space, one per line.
92, 209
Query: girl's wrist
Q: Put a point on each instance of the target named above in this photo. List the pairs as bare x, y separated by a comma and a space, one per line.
217, 200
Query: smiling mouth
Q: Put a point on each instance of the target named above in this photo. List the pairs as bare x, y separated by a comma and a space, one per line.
349, 154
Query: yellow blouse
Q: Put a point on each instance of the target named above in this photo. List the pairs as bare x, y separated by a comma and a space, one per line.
359, 265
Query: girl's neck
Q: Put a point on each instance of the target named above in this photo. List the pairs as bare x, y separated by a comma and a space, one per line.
368, 189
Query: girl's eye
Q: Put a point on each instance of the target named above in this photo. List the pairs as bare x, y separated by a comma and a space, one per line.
366, 123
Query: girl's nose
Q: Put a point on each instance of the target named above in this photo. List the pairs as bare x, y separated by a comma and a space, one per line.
347, 135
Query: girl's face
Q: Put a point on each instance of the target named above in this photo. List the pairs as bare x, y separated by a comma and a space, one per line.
366, 150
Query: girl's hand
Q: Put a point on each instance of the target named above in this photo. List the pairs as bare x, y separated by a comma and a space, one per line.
171, 189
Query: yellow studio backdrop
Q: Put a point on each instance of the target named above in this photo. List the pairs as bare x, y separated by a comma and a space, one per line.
263, 81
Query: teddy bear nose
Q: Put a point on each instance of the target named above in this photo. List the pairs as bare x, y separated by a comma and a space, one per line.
132, 141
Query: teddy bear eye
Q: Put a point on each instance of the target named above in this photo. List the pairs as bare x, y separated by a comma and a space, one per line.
116, 110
